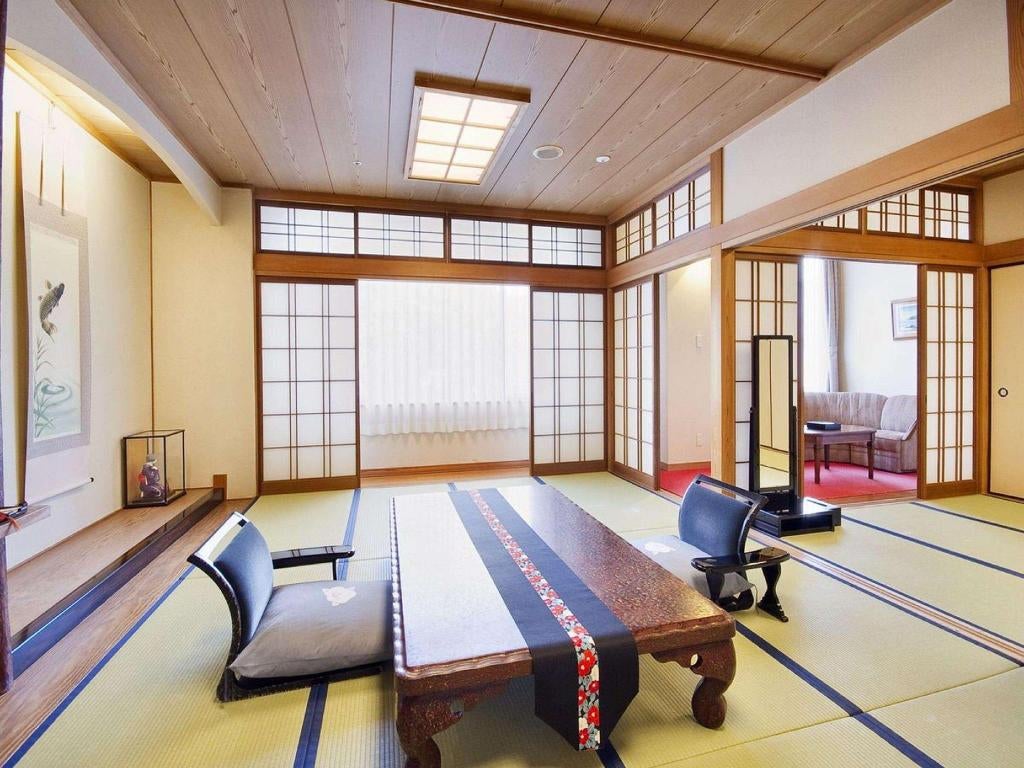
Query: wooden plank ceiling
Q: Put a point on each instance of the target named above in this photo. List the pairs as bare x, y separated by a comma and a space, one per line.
292, 94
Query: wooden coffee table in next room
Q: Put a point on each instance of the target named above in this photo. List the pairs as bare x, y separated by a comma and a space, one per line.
820, 439
456, 643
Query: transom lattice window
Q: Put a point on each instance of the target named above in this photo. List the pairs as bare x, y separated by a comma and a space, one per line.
850, 220
567, 246
568, 377
949, 376
353, 232
691, 205
490, 240
634, 377
308, 230
947, 214
634, 237
307, 381
899, 215
396, 234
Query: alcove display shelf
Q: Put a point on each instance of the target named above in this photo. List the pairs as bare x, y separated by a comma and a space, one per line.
153, 466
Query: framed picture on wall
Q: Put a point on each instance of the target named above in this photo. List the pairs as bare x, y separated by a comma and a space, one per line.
904, 319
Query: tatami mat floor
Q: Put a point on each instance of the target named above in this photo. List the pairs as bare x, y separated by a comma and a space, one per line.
851, 680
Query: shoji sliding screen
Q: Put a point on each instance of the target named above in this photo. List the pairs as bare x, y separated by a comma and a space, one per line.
949, 371
308, 392
766, 304
568, 414
634, 350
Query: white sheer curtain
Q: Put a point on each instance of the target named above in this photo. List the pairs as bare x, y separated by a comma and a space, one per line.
443, 357
816, 329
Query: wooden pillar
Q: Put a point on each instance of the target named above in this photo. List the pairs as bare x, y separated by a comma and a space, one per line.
723, 364
6, 658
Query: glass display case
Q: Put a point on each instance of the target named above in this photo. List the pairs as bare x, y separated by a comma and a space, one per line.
153, 465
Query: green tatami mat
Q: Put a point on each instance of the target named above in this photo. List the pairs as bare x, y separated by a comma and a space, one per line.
373, 519
494, 482
842, 743
620, 505
973, 725
153, 704
990, 508
958, 534
968, 590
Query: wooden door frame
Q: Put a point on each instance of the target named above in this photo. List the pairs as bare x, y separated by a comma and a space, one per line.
568, 467
307, 484
614, 467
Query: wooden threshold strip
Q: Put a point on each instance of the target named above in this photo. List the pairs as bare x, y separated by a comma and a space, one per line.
478, 467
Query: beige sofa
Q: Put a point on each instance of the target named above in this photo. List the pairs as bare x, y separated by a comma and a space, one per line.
894, 417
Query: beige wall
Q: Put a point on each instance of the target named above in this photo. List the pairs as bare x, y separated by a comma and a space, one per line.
870, 360
1003, 199
115, 199
685, 366
203, 333
943, 71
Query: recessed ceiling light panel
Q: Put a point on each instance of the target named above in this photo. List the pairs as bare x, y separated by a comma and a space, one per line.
455, 135
547, 152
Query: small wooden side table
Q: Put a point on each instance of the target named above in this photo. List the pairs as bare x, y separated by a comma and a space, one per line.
847, 434
9, 525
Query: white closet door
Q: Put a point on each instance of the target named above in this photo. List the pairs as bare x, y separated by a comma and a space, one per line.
568, 381
1007, 411
309, 432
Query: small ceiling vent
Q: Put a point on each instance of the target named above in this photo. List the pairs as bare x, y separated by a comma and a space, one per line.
547, 152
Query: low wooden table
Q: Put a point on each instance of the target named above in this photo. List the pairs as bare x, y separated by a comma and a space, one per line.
847, 434
456, 644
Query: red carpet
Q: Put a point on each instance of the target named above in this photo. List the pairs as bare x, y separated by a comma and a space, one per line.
845, 480
842, 481
678, 480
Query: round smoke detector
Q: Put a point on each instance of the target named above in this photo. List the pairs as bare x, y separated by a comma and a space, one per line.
547, 152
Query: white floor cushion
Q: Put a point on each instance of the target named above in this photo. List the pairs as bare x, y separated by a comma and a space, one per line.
319, 626
674, 555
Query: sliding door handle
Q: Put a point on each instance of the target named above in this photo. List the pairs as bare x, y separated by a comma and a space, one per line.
1002, 391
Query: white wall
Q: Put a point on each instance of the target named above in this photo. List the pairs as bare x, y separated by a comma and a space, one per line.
685, 366
1003, 198
947, 69
870, 360
204, 337
383, 451
115, 199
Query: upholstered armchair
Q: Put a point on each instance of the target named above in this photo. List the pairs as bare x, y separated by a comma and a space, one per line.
710, 553
294, 635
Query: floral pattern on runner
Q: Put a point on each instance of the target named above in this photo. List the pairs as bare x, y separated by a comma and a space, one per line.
587, 663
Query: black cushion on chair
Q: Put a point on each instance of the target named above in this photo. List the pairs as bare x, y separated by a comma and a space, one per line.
247, 565
713, 522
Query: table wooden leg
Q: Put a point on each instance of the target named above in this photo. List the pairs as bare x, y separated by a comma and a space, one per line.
871, 459
827, 462
420, 718
770, 602
817, 464
716, 664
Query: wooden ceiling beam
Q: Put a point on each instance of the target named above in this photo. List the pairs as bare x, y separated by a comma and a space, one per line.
561, 26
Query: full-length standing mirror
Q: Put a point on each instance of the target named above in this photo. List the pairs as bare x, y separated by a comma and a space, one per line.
774, 450
773, 418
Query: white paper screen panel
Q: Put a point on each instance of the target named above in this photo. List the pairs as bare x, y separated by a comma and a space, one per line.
633, 367
568, 377
949, 377
766, 304
308, 380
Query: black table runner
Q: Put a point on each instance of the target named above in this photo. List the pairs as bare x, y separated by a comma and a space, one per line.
585, 664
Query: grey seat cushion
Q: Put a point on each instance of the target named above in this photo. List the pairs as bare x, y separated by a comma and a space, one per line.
319, 626
674, 555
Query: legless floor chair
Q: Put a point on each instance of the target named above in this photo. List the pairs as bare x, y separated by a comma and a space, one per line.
294, 635
710, 552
